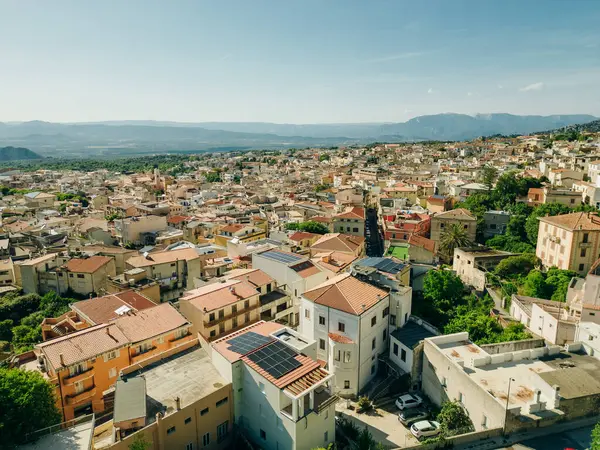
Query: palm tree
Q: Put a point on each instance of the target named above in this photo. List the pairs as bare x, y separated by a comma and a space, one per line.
454, 236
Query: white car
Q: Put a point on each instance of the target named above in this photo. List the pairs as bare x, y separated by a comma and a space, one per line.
425, 429
408, 401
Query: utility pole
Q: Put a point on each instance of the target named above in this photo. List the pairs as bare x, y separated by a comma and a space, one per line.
507, 401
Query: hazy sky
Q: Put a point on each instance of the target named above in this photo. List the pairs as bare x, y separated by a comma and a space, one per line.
301, 61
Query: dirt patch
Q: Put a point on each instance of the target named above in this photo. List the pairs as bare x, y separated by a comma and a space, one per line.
472, 348
484, 382
524, 393
455, 354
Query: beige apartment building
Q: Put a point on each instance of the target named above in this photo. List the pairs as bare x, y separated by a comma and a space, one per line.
191, 406
87, 275
174, 270
442, 221
218, 309
351, 221
569, 241
139, 230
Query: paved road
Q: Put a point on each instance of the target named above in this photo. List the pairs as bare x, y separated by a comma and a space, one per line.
575, 439
372, 234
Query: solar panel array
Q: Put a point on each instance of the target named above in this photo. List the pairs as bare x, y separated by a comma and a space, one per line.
277, 359
247, 342
285, 258
384, 264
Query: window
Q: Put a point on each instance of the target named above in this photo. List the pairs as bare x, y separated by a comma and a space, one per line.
111, 355
355, 230
461, 398
373, 321
307, 314
341, 327
444, 382
171, 430
373, 343
221, 313
492, 226
346, 384
77, 369
222, 431
172, 264
213, 333
386, 311
70, 275
211, 317
586, 237
263, 435
221, 327
403, 355
582, 252
247, 317
223, 401
392, 319
337, 355
206, 439
326, 437
395, 349
189, 446
187, 420
204, 411
233, 309
347, 356
484, 419
322, 344
80, 275
234, 322
112, 372
581, 266
321, 320
384, 335
466, 226
246, 304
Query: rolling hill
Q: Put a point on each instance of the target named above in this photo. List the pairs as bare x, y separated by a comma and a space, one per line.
17, 154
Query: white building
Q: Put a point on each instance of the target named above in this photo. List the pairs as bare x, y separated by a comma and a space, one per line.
349, 319
293, 272
288, 406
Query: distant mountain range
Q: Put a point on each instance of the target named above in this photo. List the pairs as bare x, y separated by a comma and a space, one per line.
590, 127
121, 138
17, 154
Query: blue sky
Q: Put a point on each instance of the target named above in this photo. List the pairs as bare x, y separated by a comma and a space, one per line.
296, 61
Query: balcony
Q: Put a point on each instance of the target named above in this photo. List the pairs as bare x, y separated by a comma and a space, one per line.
75, 399
323, 399
585, 245
217, 320
81, 376
178, 340
273, 298
140, 356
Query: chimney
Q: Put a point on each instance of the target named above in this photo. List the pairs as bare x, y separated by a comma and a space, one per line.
62, 359
177, 403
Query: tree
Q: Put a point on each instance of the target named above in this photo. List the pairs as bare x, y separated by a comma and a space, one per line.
453, 237
310, 227
516, 265
488, 176
454, 420
481, 327
140, 442
595, 444
213, 177
28, 404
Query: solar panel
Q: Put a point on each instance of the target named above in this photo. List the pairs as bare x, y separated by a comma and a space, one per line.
285, 258
277, 359
247, 342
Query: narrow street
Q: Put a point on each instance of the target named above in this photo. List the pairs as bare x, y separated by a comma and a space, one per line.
374, 240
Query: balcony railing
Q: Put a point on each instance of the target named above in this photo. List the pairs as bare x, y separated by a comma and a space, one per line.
180, 338
80, 376
216, 320
78, 398
585, 245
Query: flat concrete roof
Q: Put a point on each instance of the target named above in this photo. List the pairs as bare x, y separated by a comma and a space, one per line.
78, 437
189, 375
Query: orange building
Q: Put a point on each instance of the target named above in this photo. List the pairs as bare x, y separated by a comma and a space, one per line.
84, 366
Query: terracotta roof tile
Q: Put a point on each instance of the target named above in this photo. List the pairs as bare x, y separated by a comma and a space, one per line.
340, 338
102, 309
87, 265
150, 322
263, 328
459, 213
346, 293
218, 295
187, 254
354, 212
575, 221
338, 242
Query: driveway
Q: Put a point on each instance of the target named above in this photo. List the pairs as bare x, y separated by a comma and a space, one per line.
383, 424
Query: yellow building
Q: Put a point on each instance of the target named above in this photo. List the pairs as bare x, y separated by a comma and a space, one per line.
569, 241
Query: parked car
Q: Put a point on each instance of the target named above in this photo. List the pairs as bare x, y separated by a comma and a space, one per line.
411, 415
425, 429
407, 401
